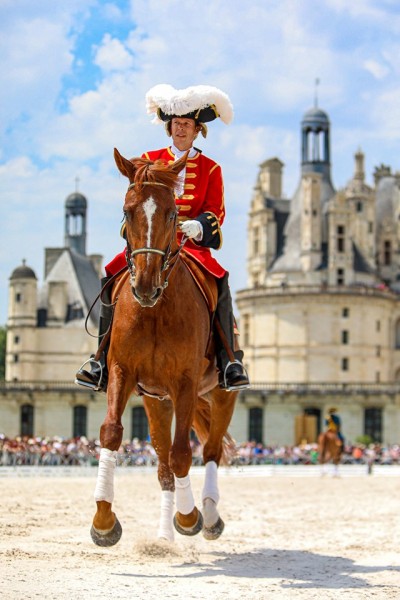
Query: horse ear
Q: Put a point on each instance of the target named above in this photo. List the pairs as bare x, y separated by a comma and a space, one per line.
124, 165
177, 166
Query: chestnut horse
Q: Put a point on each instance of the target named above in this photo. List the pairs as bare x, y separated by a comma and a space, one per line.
159, 345
330, 449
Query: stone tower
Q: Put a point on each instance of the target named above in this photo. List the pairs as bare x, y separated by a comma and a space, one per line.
22, 318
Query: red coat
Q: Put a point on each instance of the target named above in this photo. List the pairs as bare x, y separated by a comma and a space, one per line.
202, 199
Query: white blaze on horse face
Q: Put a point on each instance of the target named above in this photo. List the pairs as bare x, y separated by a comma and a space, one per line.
149, 208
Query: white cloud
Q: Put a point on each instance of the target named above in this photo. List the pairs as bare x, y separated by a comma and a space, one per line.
37, 46
112, 55
378, 70
265, 55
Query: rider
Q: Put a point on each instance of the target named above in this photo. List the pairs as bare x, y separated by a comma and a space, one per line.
333, 423
200, 200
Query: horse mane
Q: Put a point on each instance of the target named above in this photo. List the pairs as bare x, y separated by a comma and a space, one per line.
148, 171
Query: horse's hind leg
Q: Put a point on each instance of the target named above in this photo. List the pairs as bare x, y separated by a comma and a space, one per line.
322, 458
337, 455
222, 406
159, 415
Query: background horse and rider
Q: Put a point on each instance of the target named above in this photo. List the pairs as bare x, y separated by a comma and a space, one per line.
162, 348
331, 442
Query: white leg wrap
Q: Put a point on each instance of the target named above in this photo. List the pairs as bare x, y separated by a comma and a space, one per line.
210, 489
209, 512
184, 495
166, 530
105, 477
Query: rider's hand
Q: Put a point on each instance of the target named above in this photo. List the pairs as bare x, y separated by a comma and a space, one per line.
192, 229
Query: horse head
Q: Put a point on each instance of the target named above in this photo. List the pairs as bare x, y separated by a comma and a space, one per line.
150, 223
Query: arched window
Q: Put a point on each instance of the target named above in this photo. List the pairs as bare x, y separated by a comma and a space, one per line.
256, 424
79, 427
27, 419
140, 427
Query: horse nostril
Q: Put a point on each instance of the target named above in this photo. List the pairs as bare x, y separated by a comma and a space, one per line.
156, 293
147, 300
135, 294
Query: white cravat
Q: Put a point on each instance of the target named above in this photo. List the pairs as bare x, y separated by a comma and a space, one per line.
180, 187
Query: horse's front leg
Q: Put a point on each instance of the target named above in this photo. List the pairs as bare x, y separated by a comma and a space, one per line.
106, 529
159, 414
188, 519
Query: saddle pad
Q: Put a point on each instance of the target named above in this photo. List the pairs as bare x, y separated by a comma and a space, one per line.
205, 281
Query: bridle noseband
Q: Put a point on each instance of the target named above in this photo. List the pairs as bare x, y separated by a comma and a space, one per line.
169, 256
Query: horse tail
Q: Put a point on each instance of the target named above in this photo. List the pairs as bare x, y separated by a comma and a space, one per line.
201, 425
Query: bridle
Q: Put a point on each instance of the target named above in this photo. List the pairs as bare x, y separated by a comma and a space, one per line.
168, 263
168, 255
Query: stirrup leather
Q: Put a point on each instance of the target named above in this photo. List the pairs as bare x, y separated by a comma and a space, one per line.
232, 388
96, 388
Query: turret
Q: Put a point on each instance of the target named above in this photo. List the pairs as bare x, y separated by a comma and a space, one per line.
21, 323
75, 222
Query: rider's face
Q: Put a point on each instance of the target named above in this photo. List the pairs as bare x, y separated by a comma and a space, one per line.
184, 132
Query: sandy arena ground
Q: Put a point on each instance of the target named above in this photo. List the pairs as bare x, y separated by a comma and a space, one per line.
296, 537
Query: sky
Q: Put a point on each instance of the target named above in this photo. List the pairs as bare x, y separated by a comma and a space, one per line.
73, 82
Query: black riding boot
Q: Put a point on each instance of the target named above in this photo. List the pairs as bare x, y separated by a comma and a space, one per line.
96, 379
232, 374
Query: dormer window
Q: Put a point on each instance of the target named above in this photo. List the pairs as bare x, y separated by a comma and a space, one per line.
387, 252
340, 232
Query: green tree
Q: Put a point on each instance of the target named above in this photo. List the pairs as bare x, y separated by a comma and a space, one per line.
364, 439
3, 336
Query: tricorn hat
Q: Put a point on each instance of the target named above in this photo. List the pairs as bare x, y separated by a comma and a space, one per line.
203, 103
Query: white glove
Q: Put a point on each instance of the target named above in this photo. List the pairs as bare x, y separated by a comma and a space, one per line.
192, 229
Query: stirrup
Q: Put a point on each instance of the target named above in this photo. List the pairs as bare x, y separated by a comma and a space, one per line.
92, 386
233, 388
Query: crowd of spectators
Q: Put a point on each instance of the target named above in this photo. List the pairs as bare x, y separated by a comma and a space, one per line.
57, 451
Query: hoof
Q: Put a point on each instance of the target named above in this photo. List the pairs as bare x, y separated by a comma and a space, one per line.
214, 532
198, 526
107, 539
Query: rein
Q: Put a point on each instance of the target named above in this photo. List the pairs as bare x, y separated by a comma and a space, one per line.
99, 297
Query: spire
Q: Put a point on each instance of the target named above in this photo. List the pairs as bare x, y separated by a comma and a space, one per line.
317, 81
359, 165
